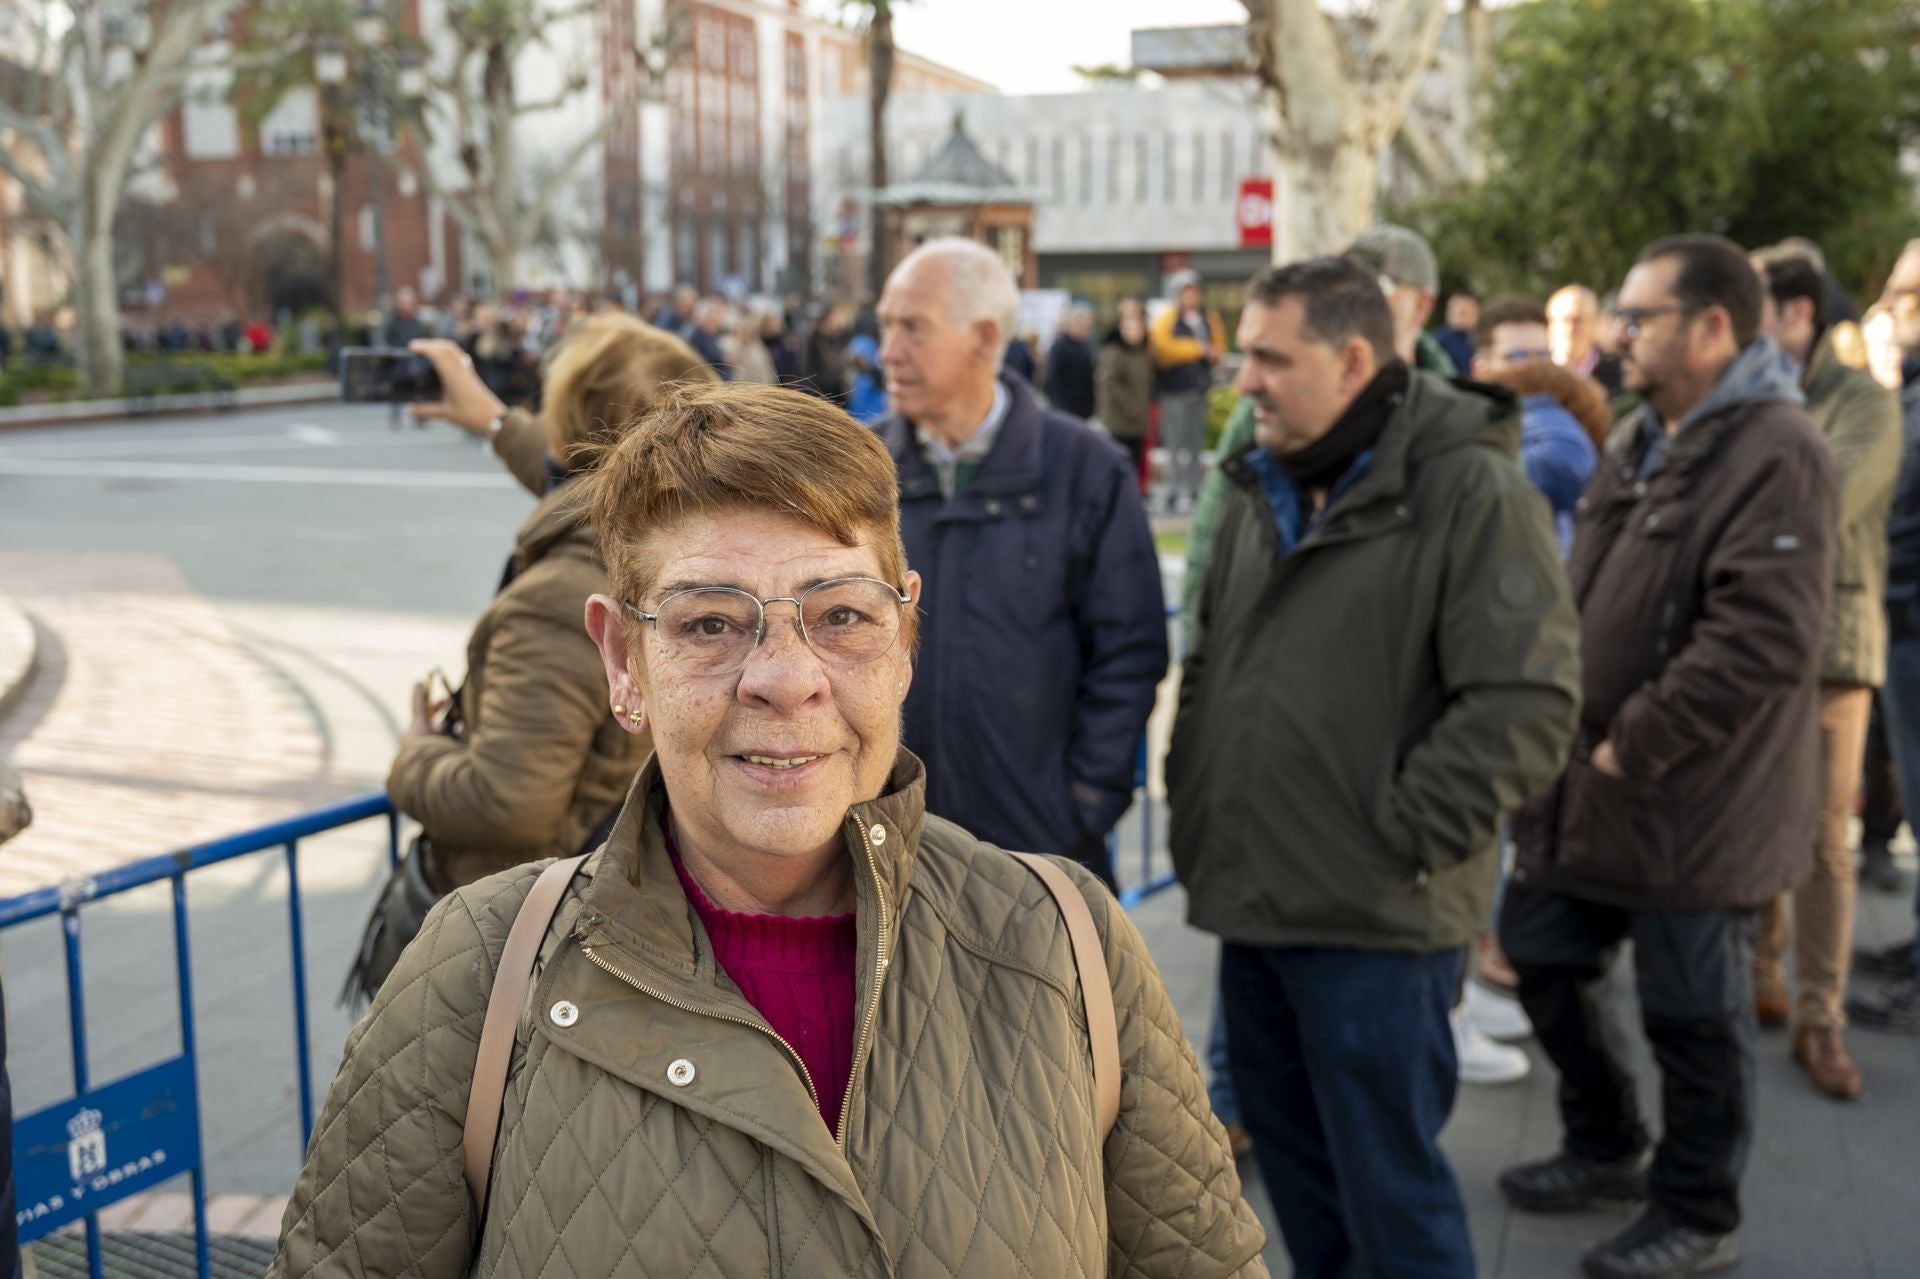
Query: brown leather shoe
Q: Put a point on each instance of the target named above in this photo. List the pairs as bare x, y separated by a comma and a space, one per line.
1822, 1051
1773, 1008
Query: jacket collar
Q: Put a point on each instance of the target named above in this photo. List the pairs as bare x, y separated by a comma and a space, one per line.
561, 516
634, 900
1761, 374
1385, 476
1012, 467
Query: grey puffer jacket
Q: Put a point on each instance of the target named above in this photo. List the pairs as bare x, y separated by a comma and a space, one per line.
969, 1143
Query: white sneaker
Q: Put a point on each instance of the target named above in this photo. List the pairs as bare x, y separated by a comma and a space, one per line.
1499, 1017
1481, 1060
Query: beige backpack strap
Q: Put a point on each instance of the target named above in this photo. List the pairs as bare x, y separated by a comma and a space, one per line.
511, 977
1096, 988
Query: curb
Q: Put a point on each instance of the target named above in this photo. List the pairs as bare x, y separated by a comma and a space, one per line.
73, 413
18, 648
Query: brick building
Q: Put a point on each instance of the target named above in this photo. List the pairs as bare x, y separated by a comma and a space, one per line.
716, 185
240, 222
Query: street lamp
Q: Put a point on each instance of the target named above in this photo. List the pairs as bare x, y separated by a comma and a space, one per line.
373, 79
412, 81
330, 63
370, 25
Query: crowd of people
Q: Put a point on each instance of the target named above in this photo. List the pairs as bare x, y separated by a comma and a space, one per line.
1567, 623
1564, 624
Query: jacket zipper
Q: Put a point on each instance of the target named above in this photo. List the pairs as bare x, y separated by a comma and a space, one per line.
879, 973
806, 1076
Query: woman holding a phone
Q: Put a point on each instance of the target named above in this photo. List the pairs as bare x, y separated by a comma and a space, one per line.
523, 761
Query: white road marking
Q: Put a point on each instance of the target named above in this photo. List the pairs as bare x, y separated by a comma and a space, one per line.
298, 439
55, 468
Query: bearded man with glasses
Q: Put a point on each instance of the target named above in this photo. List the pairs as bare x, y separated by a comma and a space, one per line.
1702, 567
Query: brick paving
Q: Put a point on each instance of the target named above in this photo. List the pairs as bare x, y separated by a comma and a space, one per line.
145, 725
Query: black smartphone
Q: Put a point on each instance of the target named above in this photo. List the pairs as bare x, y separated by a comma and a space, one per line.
386, 375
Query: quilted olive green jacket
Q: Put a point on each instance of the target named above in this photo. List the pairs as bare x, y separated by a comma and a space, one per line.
657, 1126
1861, 420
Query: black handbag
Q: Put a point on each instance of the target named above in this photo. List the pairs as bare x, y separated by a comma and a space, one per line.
398, 913
402, 906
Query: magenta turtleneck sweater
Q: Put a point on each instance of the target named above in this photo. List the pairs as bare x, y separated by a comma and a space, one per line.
799, 973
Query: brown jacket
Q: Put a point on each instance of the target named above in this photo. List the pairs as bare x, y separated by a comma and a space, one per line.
541, 762
1703, 588
970, 1144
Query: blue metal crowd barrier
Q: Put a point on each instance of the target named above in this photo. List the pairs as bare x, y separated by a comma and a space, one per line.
107, 1143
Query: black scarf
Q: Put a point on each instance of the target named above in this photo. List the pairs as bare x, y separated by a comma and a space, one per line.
1323, 463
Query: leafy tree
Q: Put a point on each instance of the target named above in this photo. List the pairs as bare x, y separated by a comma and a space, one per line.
279, 59
90, 81
1613, 122
1841, 95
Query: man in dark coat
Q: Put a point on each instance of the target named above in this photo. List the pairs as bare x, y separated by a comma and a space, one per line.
1044, 634
1897, 1008
1070, 363
676, 316
709, 321
823, 363
1702, 566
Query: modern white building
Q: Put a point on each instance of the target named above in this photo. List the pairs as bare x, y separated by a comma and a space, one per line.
1134, 180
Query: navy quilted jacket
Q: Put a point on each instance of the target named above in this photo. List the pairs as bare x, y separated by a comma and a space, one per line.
1043, 634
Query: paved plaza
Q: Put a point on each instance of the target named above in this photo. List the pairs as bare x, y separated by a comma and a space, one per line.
228, 615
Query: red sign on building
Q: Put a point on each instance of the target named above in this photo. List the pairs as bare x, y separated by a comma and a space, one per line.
1254, 212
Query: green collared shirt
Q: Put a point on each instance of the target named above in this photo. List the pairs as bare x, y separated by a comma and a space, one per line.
955, 467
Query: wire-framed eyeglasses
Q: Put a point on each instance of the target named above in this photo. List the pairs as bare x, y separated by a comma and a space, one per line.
713, 630
1633, 319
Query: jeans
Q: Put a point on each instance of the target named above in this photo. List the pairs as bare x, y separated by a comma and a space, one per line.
1226, 1106
1693, 971
1880, 815
1344, 1065
1900, 699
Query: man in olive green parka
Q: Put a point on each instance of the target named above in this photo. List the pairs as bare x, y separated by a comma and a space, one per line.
1385, 662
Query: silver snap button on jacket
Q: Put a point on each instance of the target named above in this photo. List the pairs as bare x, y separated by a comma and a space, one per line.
878, 834
564, 1014
680, 1073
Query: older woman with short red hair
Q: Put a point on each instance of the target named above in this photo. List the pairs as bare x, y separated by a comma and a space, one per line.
785, 1021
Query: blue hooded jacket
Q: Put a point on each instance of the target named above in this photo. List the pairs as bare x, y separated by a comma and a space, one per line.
1558, 458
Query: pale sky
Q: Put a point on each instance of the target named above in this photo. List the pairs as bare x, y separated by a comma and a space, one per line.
1031, 46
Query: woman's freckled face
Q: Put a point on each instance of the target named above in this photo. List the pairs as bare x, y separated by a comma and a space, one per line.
785, 703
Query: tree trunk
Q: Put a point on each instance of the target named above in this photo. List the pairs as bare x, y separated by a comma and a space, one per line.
1479, 64
879, 86
1323, 197
98, 311
333, 137
503, 256
1331, 109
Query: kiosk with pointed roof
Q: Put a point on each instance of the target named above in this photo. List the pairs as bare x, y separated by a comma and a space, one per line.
961, 192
